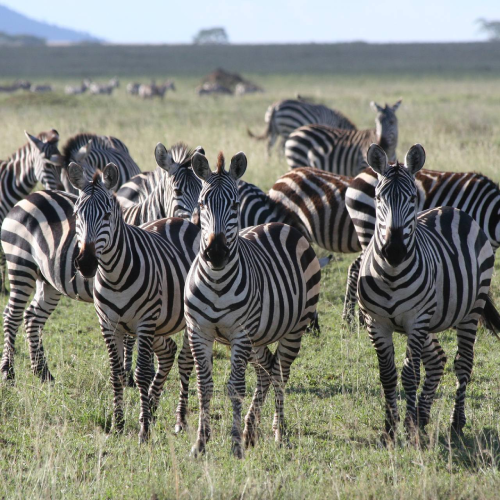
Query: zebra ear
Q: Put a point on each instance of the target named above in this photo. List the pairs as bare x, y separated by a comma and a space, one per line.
396, 106
199, 149
163, 158
110, 176
238, 165
76, 176
200, 166
377, 159
84, 151
35, 141
376, 107
415, 158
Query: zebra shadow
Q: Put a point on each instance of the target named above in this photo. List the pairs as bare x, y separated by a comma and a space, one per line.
473, 451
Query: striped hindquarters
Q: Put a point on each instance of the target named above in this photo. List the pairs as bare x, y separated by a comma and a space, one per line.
334, 150
318, 198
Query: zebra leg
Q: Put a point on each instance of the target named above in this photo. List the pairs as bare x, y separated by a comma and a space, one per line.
165, 349
286, 352
145, 338
381, 339
3, 274
186, 364
434, 360
202, 349
22, 287
464, 360
351, 290
115, 353
241, 351
410, 376
262, 359
36, 315
129, 343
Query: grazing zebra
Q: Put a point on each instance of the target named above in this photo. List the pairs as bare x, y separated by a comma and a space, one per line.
243, 88
37, 161
246, 289
285, 116
342, 151
40, 89
209, 88
473, 193
94, 152
420, 275
39, 240
139, 282
79, 89
149, 91
133, 88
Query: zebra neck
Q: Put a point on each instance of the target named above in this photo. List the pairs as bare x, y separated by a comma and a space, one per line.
219, 279
117, 257
21, 164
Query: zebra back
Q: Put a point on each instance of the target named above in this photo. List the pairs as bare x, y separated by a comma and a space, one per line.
94, 153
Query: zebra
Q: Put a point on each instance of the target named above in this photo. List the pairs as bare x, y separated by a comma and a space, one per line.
243, 88
209, 88
246, 289
94, 152
283, 117
420, 275
136, 189
152, 90
342, 151
39, 160
473, 193
39, 240
76, 90
40, 88
139, 281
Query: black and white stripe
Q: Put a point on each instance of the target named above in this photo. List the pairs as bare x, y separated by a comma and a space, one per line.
473, 193
39, 240
139, 282
246, 289
285, 116
342, 151
420, 275
94, 152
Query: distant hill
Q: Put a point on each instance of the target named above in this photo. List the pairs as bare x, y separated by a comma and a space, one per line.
14, 23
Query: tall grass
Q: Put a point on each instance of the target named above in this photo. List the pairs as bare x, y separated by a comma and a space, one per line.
55, 440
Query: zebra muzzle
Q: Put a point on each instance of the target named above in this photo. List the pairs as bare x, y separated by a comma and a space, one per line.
217, 251
394, 250
86, 262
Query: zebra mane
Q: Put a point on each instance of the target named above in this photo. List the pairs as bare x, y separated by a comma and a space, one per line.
49, 136
74, 143
181, 154
220, 163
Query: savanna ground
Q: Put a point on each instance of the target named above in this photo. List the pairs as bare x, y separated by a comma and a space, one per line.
55, 440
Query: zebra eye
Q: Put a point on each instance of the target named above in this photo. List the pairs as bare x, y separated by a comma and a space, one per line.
107, 216
178, 192
413, 199
202, 205
377, 199
235, 205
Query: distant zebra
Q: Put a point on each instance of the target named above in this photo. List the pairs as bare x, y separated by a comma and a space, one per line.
342, 151
246, 289
39, 240
80, 89
104, 88
152, 90
283, 117
94, 152
473, 193
37, 161
133, 88
40, 88
420, 275
139, 284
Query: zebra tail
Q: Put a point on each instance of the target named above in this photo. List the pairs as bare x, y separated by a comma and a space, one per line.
324, 261
267, 132
491, 317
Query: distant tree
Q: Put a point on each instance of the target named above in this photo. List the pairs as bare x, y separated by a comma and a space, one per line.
6, 39
492, 28
211, 36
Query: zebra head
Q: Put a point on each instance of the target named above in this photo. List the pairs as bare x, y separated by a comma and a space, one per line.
386, 125
47, 160
181, 187
219, 204
96, 214
396, 202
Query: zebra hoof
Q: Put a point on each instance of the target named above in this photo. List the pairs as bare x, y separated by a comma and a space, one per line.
198, 449
45, 375
237, 451
249, 436
130, 382
144, 436
180, 427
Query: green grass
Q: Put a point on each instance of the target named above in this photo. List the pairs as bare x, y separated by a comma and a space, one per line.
54, 440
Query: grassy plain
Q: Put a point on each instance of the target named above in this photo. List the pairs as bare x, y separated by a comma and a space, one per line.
54, 440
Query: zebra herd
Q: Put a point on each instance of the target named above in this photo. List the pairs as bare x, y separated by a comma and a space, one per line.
188, 247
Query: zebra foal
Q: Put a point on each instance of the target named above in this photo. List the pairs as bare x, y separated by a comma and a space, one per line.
245, 289
342, 151
139, 281
420, 275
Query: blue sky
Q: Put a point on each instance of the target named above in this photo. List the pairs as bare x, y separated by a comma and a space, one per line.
261, 21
